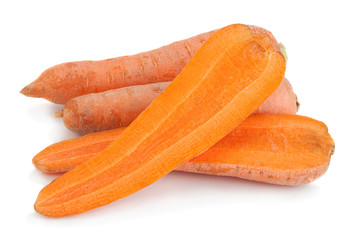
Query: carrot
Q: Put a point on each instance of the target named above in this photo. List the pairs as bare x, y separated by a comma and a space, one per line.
282, 101
110, 109
284, 150
278, 149
226, 80
119, 107
65, 81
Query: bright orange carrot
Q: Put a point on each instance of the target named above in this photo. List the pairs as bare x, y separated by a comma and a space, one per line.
278, 149
119, 107
284, 150
226, 80
65, 81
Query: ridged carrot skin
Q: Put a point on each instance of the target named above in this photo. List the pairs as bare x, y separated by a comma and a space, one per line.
229, 77
61, 83
277, 149
119, 107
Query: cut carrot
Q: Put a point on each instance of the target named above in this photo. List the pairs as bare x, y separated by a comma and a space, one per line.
61, 83
284, 150
229, 77
278, 149
119, 107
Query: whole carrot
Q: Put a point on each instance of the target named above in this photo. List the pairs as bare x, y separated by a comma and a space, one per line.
110, 109
227, 79
65, 81
278, 149
119, 107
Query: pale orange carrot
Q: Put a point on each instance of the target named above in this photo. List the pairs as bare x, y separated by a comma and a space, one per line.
279, 149
110, 109
282, 101
118, 108
228, 78
65, 81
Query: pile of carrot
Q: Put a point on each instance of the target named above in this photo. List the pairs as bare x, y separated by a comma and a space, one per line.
217, 103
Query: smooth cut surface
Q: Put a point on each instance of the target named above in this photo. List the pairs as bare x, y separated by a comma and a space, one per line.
227, 79
278, 149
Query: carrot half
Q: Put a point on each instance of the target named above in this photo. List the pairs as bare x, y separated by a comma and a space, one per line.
119, 107
61, 83
278, 149
229, 77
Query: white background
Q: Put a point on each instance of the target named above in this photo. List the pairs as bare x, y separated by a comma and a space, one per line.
322, 40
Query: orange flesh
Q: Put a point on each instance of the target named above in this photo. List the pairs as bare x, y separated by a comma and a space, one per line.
278, 149
227, 79
288, 150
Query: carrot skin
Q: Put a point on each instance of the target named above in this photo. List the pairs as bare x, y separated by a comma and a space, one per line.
282, 101
228, 78
110, 109
119, 107
254, 150
61, 83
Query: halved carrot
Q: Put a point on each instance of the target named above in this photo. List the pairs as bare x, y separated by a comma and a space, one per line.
278, 149
227, 79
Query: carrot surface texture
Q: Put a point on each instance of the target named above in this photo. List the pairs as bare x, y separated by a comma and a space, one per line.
228, 78
61, 83
278, 149
119, 107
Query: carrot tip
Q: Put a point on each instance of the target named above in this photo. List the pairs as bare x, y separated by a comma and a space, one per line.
283, 51
29, 90
332, 150
297, 103
59, 114
24, 90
